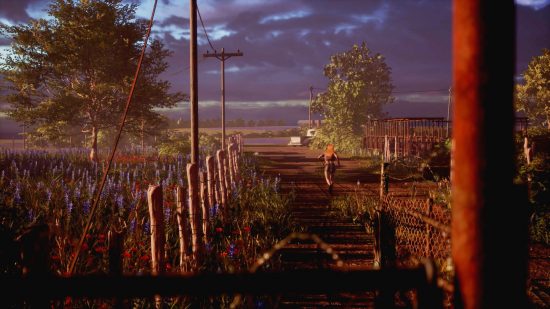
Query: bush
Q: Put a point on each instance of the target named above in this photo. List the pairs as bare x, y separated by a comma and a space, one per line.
359, 206
344, 140
536, 176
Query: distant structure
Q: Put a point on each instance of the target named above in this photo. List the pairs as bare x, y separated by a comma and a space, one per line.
406, 136
314, 123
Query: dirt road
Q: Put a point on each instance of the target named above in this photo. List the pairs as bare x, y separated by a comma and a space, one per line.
299, 167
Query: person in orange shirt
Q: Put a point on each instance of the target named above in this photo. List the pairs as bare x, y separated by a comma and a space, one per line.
330, 158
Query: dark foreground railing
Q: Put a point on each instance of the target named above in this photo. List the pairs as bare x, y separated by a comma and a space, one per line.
420, 278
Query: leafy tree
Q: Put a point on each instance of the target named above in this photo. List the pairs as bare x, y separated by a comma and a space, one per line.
533, 96
359, 85
75, 69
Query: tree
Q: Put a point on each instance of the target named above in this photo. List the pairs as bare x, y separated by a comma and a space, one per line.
359, 85
533, 96
75, 69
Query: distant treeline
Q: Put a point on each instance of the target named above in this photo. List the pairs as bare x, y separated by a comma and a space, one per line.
239, 122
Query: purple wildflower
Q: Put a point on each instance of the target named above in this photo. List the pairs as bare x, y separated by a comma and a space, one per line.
86, 206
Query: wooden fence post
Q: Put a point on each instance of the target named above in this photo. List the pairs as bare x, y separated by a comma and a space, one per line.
241, 144
158, 240
211, 181
230, 166
429, 209
384, 179
227, 172
154, 199
220, 154
205, 205
195, 212
35, 258
35, 251
385, 245
116, 246
236, 163
182, 218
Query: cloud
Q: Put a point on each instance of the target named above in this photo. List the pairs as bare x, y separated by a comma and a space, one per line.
286, 44
535, 4
17, 11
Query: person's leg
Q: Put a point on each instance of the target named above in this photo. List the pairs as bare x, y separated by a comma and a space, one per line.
327, 175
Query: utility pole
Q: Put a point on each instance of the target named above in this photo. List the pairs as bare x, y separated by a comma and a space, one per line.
310, 101
193, 80
449, 109
222, 57
24, 136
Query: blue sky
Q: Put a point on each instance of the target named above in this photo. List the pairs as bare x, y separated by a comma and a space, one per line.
286, 43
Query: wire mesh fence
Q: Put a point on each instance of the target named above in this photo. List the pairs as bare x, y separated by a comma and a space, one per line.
422, 230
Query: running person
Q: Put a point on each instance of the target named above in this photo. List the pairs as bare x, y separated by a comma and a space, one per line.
330, 157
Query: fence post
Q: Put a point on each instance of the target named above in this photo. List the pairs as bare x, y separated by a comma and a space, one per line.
230, 165
385, 246
194, 212
236, 164
35, 258
211, 180
182, 217
395, 148
154, 199
220, 154
429, 209
429, 295
241, 143
384, 179
35, 251
205, 205
116, 244
227, 172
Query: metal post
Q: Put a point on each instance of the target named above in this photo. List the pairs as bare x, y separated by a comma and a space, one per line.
193, 80
488, 217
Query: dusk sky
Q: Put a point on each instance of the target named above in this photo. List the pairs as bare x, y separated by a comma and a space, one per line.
286, 44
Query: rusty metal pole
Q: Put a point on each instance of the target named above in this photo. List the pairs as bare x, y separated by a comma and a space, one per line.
193, 80
488, 227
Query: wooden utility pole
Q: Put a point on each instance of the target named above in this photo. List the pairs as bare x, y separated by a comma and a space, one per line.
193, 80
310, 101
449, 109
222, 57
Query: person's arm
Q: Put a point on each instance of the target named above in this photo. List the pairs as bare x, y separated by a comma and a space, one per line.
321, 156
337, 159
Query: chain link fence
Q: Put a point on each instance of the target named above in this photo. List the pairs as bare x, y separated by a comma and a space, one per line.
422, 230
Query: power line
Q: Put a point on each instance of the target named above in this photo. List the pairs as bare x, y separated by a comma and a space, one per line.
117, 139
184, 69
204, 29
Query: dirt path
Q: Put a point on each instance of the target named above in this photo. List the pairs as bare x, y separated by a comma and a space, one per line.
299, 167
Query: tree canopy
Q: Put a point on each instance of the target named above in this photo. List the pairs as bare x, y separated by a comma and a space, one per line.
74, 70
359, 86
533, 96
